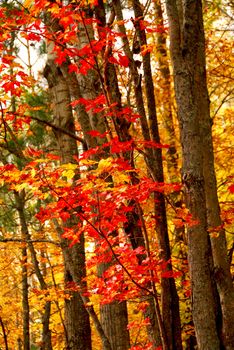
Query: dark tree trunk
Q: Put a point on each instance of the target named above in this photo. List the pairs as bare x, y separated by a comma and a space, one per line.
221, 269
4, 333
170, 300
188, 59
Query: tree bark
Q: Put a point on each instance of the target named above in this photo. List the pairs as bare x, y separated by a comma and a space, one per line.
167, 101
46, 332
184, 52
64, 90
170, 300
77, 319
221, 267
113, 316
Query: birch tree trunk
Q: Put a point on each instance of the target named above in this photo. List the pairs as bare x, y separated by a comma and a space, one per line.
64, 90
76, 316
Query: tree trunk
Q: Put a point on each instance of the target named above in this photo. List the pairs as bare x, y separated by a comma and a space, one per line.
25, 300
25, 292
78, 336
114, 319
64, 88
46, 333
114, 316
4, 333
184, 52
77, 319
170, 300
221, 268
167, 101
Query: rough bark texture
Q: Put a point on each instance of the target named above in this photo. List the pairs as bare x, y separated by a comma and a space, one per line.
77, 319
170, 300
170, 305
78, 331
87, 122
114, 319
221, 268
188, 58
114, 316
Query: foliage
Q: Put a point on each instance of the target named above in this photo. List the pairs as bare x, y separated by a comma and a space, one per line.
106, 182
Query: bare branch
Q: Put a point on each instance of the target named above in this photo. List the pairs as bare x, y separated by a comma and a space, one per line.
57, 128
19, 240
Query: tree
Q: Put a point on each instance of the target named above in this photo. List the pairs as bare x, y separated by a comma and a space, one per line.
86, 151
199, 177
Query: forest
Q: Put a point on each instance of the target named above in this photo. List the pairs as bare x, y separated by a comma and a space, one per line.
116, 176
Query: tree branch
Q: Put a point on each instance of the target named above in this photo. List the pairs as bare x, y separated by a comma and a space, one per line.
57, 128
19, 240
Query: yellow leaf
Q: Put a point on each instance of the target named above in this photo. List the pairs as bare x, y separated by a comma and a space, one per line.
61, 183
120, 178
33, 172
20, 187
69, 174
87, 162
69, 166
105, 165
28, 3
54, 9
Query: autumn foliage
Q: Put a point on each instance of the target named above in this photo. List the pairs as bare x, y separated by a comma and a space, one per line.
92, 202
